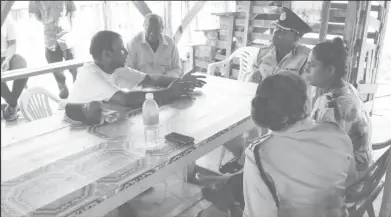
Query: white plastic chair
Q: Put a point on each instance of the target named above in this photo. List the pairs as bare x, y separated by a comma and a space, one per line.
246, 57
34, 103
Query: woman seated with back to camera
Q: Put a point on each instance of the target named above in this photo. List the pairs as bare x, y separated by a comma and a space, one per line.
308, 163
340, 103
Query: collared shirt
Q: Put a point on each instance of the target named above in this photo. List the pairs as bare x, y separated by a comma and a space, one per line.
7, 34
266, 63
306, 162
53, 17
344, 107
93, 84
164, 61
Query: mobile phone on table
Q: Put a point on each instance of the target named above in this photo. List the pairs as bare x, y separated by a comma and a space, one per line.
179, 138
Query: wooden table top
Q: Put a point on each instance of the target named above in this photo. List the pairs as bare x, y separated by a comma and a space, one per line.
50, 167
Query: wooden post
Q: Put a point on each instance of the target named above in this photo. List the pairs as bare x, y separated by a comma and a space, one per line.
188, 18
382, 32
349, 34
105, 14
287, 4
324, 21
385, 209
363, 39
5, 9
168, 17
247, 22
142, 7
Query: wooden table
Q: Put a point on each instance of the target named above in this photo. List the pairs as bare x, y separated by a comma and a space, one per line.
53, 168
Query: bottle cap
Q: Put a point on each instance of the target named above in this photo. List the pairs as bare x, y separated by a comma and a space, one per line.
149, 96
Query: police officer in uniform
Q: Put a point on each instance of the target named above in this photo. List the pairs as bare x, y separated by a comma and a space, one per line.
283, 53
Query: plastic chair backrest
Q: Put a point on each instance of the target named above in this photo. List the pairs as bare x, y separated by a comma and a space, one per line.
34, 103
247, 56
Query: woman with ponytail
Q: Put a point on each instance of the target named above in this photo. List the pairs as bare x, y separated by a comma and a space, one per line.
340, 102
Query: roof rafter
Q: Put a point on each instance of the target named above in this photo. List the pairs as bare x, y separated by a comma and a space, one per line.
142, 7
5, 9
187, 19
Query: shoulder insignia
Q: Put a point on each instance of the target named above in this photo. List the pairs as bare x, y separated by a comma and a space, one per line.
258, 141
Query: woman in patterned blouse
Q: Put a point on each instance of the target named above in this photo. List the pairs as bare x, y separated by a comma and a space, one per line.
340, 102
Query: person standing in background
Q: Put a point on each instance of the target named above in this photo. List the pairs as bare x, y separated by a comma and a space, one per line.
57, 18
10, 61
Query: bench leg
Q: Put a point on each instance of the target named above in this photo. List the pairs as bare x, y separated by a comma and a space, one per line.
189, 172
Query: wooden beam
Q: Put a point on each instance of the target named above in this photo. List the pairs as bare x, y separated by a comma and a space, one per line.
187, 19
367, 88
49, 68
167, 18
364, 35
142, 7
380, 41
325, 14
5, 9
106, 12
247, 28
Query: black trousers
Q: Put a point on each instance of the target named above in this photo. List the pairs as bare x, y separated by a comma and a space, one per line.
11, 97
57, 56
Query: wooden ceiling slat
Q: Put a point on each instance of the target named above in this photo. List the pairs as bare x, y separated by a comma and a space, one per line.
142, 7
5, 9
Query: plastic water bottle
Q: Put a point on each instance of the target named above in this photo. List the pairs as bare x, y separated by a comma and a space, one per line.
151, 122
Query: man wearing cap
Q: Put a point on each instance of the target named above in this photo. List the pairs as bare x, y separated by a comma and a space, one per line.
284, 53
153, 52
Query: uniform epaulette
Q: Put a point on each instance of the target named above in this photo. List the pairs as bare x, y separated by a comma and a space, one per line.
259, 140
301, 49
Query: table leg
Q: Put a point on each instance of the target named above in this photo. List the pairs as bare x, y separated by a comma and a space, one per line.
189, 172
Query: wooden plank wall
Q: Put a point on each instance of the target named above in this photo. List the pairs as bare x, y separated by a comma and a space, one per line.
372, 19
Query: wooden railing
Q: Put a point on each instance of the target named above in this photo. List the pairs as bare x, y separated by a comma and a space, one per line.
26, 72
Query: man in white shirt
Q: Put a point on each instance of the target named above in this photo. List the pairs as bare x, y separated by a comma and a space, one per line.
99, 81
10, 61
153, 52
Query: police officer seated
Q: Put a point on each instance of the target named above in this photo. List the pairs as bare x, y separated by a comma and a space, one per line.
283, 53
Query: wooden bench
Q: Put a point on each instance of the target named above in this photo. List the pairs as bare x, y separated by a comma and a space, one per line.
49, 68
